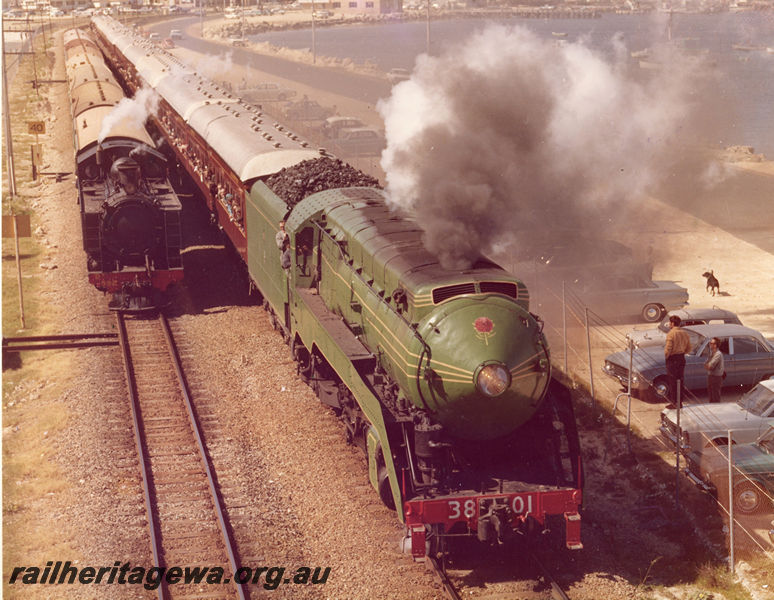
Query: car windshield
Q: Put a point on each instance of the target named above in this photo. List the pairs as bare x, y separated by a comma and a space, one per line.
757, 400
766, 441
696, 340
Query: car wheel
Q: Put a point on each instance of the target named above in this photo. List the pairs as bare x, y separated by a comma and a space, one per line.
652, 312
659, 391
749, 498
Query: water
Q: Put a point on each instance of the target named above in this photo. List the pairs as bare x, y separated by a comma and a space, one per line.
747, 77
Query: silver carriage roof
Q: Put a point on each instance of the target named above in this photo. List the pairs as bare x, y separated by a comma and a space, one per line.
236, 131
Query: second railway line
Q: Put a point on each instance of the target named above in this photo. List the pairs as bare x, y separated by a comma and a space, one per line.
187, 523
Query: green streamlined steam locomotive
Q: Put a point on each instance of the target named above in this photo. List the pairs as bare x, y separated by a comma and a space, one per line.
442, 376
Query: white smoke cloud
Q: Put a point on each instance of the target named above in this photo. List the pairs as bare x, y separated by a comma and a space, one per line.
215, 67
511, 135
131, 112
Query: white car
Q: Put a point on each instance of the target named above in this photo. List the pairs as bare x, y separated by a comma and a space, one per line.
703, 425
688, 316
359, 141
333, 125
397, 75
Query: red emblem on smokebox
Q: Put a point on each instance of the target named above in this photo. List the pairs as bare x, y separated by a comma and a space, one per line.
484, 328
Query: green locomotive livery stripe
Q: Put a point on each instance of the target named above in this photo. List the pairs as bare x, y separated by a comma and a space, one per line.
396, 354
524, 364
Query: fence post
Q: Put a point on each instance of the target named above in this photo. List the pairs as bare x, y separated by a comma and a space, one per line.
564, 326
591, 366
731, 502
679, 442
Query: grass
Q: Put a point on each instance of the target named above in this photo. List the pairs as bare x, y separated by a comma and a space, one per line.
33, 382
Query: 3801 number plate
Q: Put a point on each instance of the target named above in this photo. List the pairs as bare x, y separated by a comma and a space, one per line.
467, 508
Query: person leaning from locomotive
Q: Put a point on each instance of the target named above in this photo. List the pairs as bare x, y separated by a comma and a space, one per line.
282, 236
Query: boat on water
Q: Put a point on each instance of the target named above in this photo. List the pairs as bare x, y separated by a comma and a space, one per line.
650, 65
746, 47
559, 34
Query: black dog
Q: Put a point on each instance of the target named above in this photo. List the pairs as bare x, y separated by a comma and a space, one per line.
713, 285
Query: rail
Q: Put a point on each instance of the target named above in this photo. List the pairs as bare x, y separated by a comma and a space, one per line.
58, 342
557, 593
141, 437
440, 572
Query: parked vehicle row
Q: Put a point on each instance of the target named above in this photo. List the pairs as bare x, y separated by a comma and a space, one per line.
705, 441
748, 357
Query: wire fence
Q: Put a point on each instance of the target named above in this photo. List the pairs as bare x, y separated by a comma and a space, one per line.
742, 486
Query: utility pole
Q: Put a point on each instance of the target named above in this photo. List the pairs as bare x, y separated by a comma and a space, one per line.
12, 181
314, 45
428, 28
8, 140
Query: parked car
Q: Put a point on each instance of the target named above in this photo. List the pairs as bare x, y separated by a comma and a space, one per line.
753, 473
333, 125
237, 41
359, 140
620, 294
397, 75
747, 355
167, 43
688, 316
307, 110
266, 91
176, 34
154, 37
706, 425
322, 14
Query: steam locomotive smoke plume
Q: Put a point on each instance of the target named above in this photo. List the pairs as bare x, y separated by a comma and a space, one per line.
214, 67
131, 111
508, 136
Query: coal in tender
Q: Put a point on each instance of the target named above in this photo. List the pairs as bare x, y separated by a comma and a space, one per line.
295, 183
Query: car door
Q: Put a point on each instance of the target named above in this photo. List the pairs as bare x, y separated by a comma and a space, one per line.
695, 373
751, 361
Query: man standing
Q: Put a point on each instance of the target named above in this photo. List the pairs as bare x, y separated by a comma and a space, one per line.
715, 368
677, 344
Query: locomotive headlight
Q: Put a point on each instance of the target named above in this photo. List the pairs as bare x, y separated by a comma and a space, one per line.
493, 379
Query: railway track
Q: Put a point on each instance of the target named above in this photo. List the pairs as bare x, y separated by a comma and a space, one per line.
550, 588
188, 527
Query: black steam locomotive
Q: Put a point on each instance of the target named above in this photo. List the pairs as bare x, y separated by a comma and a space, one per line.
130, 215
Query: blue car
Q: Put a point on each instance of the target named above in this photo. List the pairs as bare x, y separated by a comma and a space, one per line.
748, 356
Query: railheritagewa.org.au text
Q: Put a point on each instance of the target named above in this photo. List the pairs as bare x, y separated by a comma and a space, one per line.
66, 573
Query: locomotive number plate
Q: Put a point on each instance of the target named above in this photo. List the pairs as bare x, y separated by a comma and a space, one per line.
467, 508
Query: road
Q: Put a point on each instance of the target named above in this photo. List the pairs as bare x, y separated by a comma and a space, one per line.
355, 86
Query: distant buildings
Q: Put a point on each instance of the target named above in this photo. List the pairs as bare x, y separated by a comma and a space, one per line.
375, 7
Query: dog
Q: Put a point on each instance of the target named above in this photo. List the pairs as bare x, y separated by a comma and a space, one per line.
713, 285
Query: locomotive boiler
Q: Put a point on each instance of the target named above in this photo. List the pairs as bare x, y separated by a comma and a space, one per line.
130, 215
442, 376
